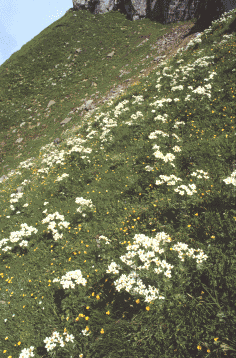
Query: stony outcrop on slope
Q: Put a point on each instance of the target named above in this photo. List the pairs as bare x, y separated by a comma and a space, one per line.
165, 11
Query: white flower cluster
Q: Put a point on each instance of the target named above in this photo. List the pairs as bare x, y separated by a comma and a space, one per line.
182, 74
52, 224
27, 352
60, 178
57, 338
83, 203
17, 235
15, 197
127, 282
66, 279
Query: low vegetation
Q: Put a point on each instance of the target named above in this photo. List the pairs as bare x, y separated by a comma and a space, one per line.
119, 239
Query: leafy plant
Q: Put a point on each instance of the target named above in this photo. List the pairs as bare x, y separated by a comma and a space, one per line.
118, 241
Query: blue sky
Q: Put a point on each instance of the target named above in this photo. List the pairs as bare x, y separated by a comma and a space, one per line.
22, 20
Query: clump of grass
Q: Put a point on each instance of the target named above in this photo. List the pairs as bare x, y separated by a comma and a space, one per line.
120, 242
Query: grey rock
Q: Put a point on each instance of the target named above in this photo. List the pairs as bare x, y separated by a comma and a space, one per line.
57, 141
162, 11
111, 54
87, 105
50, 103
66, 120
3, 178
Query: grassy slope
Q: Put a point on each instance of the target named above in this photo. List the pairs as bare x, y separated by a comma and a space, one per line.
44, 61
125, 195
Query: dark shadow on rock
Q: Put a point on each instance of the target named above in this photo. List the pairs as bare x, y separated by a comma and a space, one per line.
205, 15
155, 10
125, 8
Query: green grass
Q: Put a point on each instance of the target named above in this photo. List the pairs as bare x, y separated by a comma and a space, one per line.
116, 178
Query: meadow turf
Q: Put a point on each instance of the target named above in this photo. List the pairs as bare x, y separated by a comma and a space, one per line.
119, 241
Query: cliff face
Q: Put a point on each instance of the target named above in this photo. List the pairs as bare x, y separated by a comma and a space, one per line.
164, 11
178, 10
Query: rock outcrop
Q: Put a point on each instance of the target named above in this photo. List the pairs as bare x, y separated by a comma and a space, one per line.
165, 11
